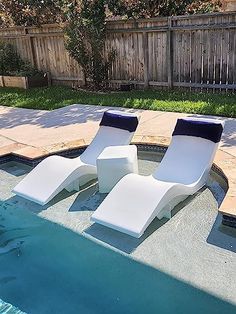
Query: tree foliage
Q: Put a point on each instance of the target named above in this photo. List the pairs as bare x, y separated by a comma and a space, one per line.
199, 6
36, 12
154, 8
146, 8
31, 12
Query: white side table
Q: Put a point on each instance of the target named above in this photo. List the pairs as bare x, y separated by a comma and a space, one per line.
114, 163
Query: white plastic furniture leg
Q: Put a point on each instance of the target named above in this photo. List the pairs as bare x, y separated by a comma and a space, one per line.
74, 186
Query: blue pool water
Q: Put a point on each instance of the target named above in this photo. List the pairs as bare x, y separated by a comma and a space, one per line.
45, 268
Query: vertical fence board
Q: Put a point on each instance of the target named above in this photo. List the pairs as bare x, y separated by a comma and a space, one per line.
205, 56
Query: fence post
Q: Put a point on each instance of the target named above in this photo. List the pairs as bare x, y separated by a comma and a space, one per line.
169, 47
2, 81
26, 82
145, 60
49, 78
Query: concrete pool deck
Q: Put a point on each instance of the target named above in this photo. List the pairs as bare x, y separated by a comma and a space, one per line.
37, 133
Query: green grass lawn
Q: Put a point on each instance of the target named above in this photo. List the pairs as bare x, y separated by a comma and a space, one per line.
55, 97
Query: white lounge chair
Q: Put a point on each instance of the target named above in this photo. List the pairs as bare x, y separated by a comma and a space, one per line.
55, 173
136, 200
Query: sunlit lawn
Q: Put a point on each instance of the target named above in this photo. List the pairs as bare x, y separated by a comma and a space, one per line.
55, 97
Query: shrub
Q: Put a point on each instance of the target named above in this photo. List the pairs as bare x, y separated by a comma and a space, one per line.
85, 40
11, 63
9, 59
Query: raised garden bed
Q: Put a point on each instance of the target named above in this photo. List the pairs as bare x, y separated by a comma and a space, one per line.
23, 81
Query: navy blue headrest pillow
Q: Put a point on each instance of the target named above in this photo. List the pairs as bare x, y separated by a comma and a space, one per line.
204, 129
115, 120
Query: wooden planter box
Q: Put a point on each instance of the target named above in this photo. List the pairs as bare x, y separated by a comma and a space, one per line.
23, 81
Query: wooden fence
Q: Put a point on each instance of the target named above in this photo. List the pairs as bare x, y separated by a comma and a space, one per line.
184, 51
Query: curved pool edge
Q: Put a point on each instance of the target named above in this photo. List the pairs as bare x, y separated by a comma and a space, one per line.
224, 165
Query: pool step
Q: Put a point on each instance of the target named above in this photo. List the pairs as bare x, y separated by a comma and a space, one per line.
9, 309
229, 221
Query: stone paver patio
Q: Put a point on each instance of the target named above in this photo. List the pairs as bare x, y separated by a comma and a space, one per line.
36, 133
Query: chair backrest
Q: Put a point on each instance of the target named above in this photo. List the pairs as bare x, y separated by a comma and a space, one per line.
116, 128
190, 155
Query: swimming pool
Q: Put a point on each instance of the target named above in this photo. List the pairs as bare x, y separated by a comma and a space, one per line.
64, 264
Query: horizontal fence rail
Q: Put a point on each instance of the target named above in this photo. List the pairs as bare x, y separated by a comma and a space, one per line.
196, 51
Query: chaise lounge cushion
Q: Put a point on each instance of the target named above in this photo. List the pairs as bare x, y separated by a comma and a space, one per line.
121, 121
211, 131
